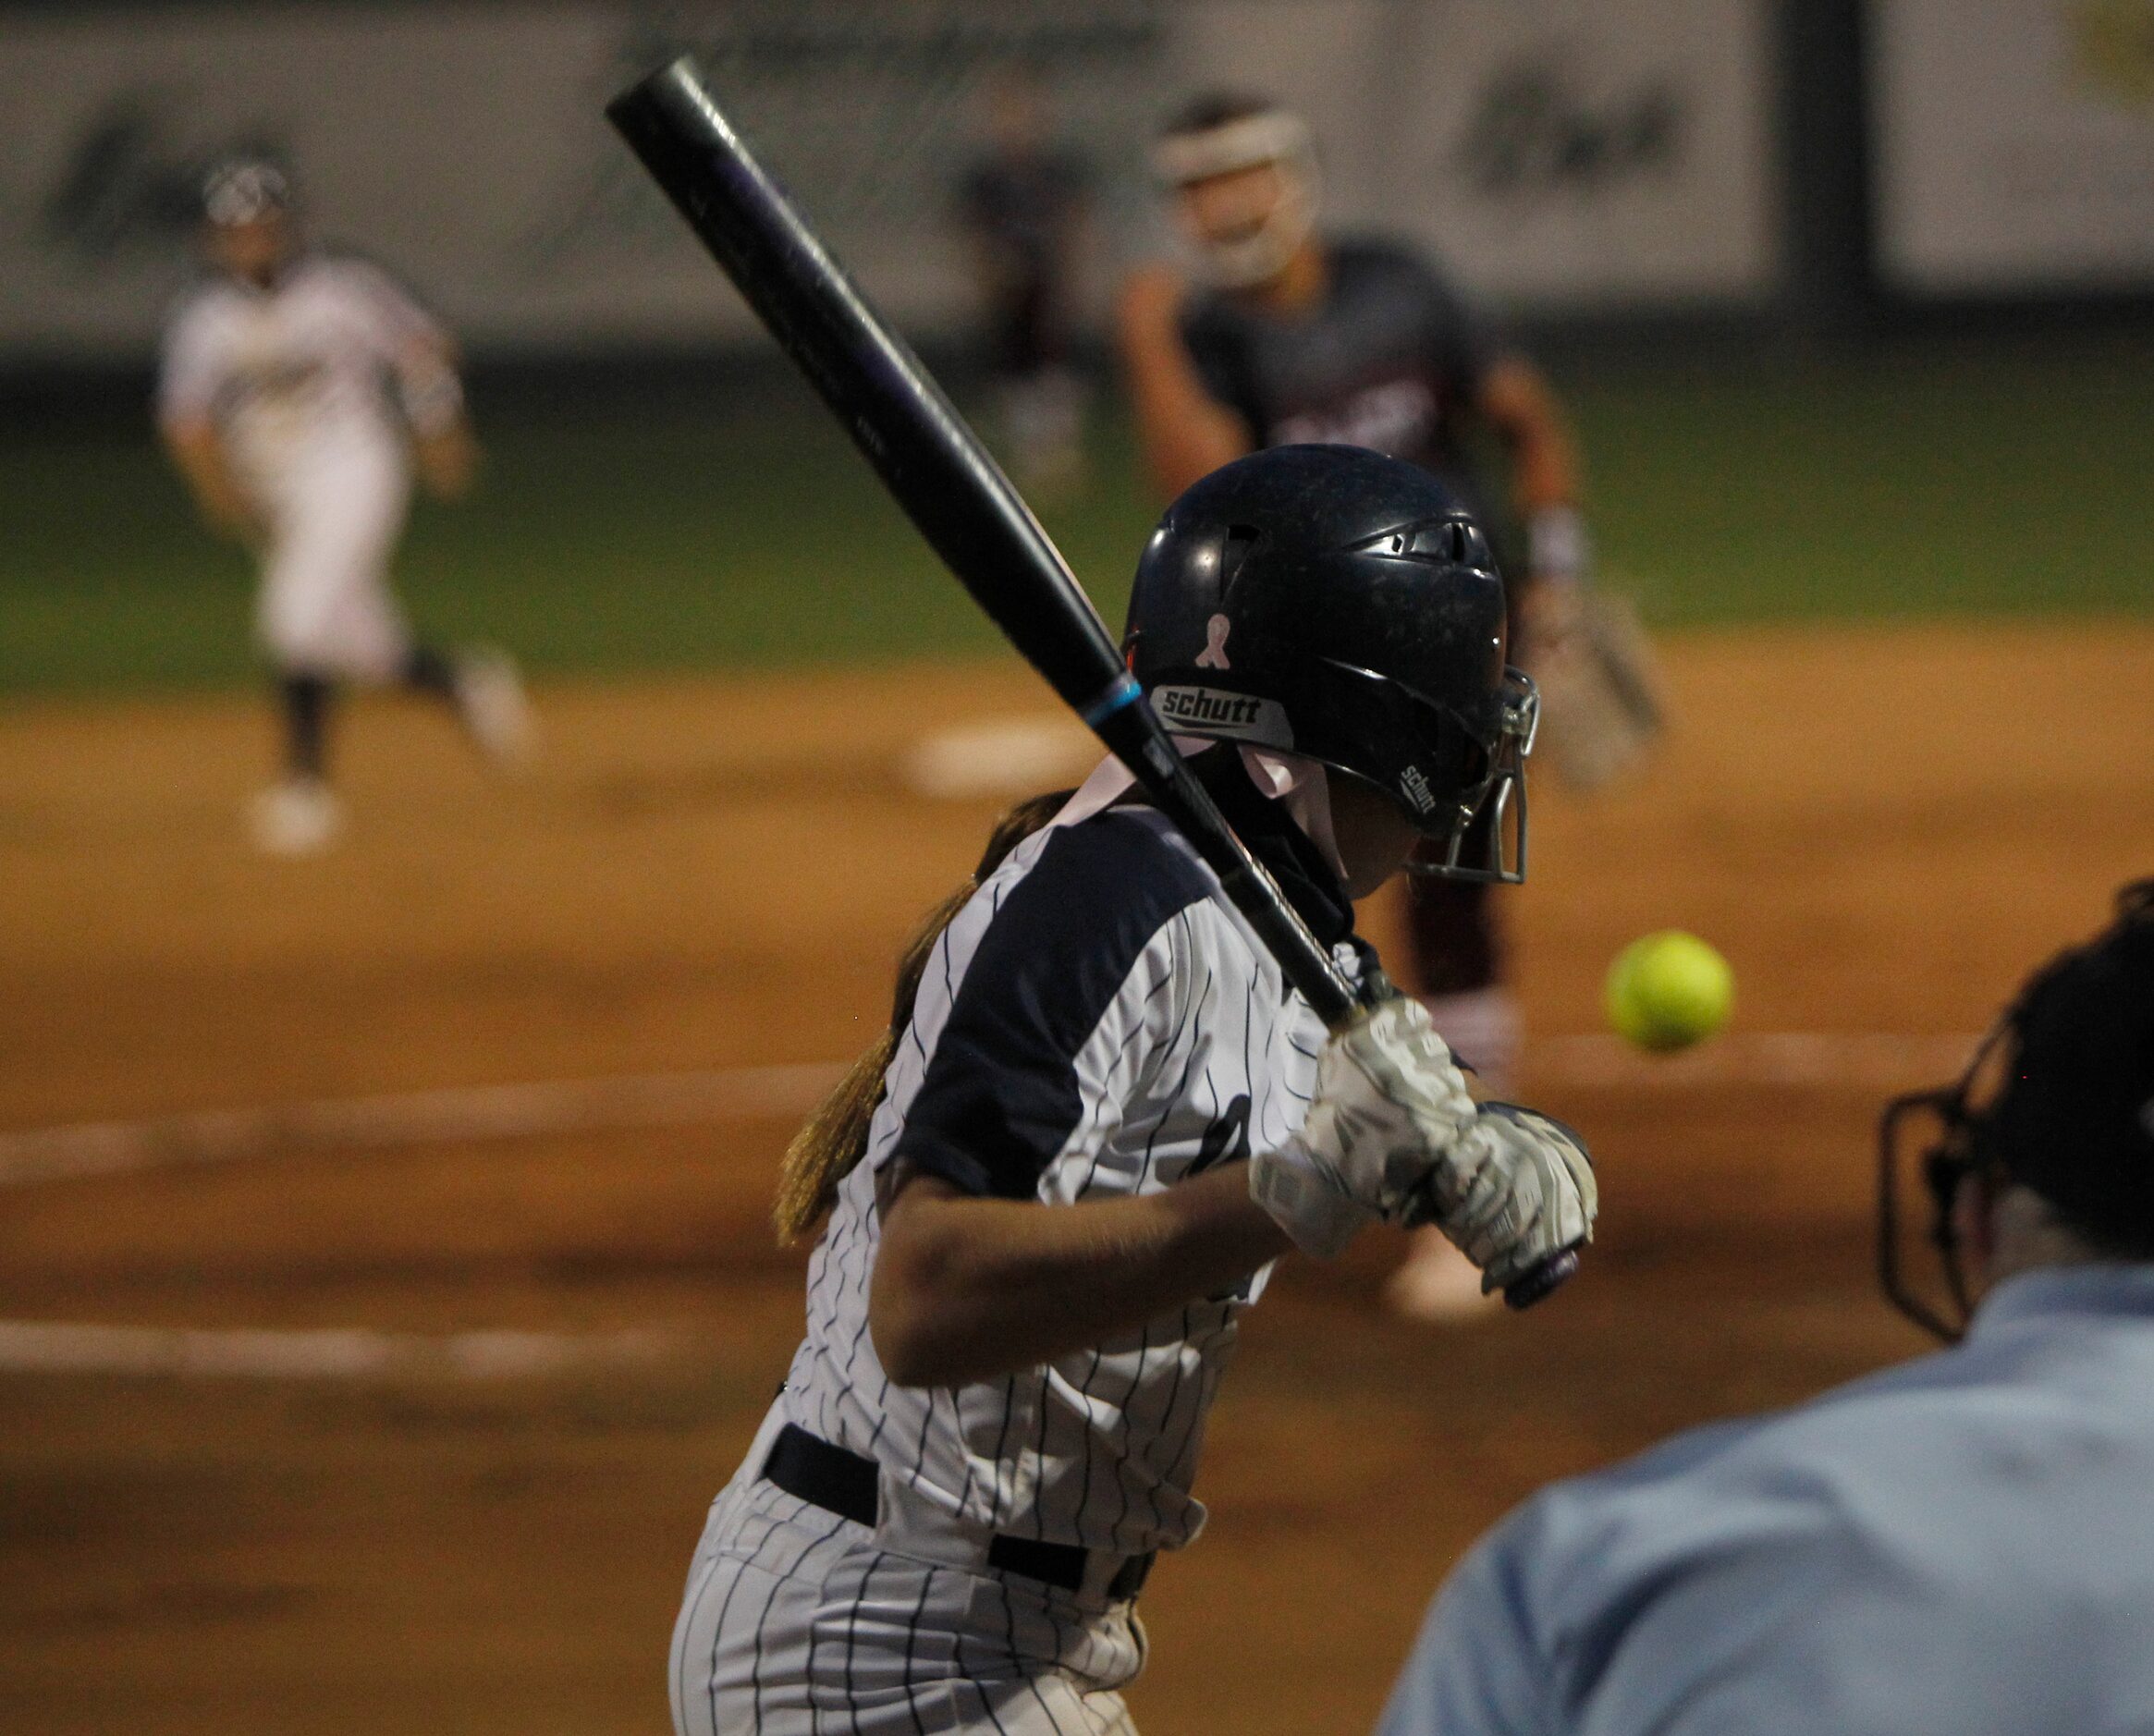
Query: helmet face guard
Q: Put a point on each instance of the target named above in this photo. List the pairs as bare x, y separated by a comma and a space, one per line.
1486, 840
1935, 1133
2012, 1109
1477, 831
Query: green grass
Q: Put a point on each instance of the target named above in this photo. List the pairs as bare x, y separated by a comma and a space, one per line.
1945, 480
1937, 480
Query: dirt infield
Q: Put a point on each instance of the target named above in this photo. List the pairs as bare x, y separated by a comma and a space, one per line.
1881, 830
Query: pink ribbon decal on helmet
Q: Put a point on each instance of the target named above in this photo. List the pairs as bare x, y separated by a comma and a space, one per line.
1214, 654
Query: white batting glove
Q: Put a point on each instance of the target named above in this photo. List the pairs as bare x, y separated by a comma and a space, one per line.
1516, 1188
1389, 1101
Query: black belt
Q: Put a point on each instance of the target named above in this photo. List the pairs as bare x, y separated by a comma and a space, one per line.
843, 1482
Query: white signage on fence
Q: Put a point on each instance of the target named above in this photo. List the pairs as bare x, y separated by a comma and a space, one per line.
1573, 154
442, 140
465, 147
2016, 145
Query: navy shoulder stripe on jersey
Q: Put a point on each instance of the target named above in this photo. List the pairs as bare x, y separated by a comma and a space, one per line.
1001, 1094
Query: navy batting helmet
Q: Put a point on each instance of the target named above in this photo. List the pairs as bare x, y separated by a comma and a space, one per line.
1331, 602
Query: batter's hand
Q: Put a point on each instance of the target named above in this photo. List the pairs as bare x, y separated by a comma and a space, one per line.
1390, 1102
1514, 1190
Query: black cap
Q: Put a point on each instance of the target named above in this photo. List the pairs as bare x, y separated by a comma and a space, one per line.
2073, 1118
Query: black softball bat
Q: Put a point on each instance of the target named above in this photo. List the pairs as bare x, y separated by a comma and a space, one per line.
947, 482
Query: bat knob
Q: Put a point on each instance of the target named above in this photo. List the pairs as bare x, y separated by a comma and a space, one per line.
1542, 1281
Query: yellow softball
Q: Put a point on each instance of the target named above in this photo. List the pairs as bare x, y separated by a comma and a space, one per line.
1669, 990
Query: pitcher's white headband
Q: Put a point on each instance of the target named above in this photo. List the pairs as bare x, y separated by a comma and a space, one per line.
1273, 134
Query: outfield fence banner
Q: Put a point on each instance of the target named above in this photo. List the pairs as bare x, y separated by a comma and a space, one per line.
1573, 154
465, 146
2015, 145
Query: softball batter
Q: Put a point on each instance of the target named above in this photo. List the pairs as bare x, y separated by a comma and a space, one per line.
298, 389
1097, 1119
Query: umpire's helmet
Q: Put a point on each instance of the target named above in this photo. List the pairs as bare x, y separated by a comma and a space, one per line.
1331, 602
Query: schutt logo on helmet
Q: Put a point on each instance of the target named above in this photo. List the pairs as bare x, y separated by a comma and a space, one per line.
1241, 716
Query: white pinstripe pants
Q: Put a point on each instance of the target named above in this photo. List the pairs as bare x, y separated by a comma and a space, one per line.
797, 1623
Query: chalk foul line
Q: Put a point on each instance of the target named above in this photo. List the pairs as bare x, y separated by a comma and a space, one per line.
1792, 1058
102, 1148
1879, 1060
419, 1117
60, 1347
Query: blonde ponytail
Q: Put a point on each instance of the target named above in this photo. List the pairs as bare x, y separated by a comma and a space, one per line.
835, 1138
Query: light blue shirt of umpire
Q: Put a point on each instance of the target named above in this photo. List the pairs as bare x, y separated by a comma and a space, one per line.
1963, 1544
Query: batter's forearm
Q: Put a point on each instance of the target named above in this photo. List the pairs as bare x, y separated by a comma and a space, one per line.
967, 1288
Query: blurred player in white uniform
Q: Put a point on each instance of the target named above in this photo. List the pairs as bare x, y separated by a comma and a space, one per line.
298, 392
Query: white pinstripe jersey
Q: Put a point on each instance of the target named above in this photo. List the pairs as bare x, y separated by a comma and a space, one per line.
1096, 1022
